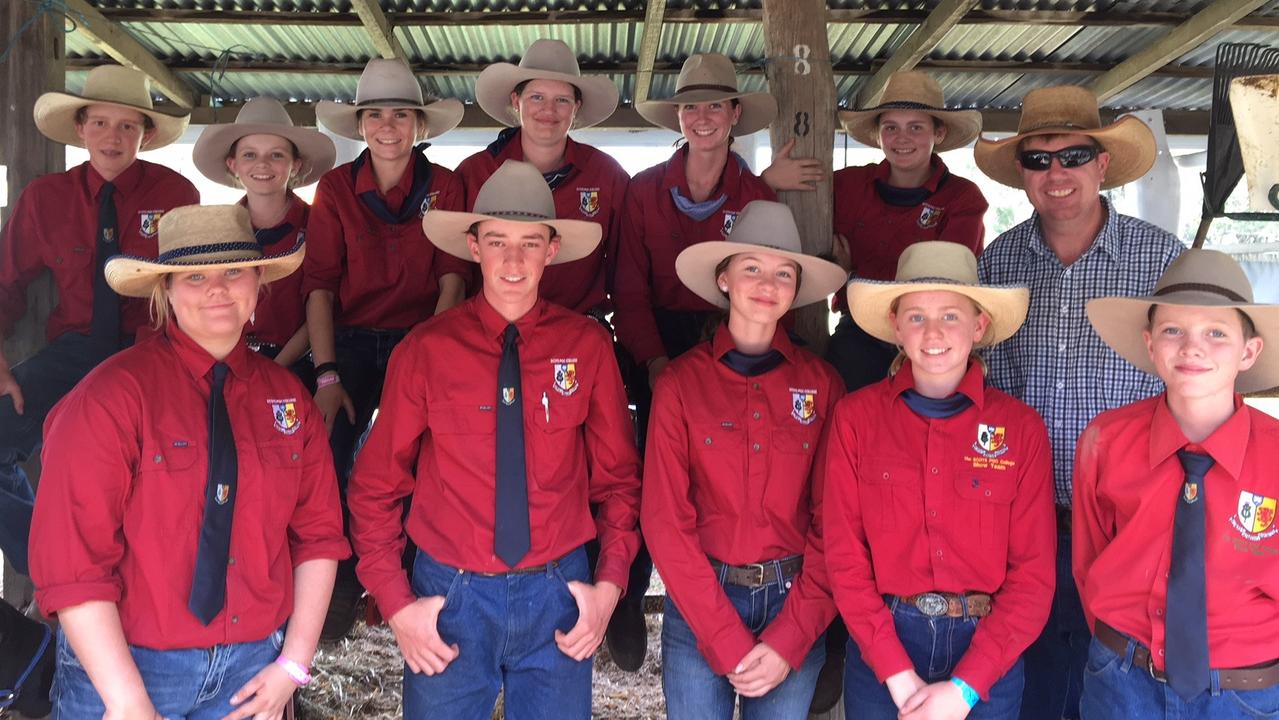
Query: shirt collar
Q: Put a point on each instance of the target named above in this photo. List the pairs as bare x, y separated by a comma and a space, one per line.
1227, 444
722, 342
124, 183
366, 180
730, 178
197, 360
1109, 240
495, 325
883, 170
973, 384
294, 217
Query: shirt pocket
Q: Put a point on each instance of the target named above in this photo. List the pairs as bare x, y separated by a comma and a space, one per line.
793, 448
718, 474
889, 492
169, 491
985, 498
281, 482
554, 437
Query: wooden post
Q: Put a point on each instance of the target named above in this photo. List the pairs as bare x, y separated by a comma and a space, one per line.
801, 78
35, 65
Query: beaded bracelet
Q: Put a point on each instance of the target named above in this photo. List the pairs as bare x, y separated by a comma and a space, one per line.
300, 675
970, 695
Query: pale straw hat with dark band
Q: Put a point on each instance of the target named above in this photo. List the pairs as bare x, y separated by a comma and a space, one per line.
1200, 279
106, 85
762, 226
516, 192
916, 91
262, 116
545, 59
388, 84
1070, 110
200, 237
710, 78
937, 265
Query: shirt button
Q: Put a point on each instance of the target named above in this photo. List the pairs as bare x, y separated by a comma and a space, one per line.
235, 619
755, 447
755, 415
1065, 309
296, 456
805, 446
935, 471
1067, 273
158, 457
754, 386
932, 513
1161, 653
1061, 347
230, 561
987, 493
939, 553
1061, 384
708, 441
1159, 612
885, 476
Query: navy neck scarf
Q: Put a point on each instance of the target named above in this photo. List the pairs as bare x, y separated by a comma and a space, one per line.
934, 408
412, 207
751, 365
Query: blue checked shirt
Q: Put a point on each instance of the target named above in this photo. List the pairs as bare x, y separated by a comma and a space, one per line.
1056, 363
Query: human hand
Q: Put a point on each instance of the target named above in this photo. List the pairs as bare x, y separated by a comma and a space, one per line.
761, 670
787, 173
264, 696
936, 701
330, 399
903, 685
9, 386
595, 605
420, 643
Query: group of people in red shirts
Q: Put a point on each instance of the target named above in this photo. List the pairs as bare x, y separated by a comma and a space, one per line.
215, 493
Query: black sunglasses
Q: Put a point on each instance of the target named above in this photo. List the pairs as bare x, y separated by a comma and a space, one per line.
1070, 157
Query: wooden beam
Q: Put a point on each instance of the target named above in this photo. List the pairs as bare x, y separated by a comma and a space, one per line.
379, 29
650, 41
115, 41
917, 47
1217, 16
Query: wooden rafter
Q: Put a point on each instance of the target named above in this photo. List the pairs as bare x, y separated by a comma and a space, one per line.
1217, 16
944, 16
379, 29
654, 16
116, 42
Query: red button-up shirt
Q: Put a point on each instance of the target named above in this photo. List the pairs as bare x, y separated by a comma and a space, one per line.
122, 491
55, 226
593, 191
282, 309
383, 276
958, 504
435, 439
1127, 484
654, 232
726, 475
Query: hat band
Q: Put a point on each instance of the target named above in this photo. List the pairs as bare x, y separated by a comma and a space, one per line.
389, 101
907, 105
1064, 125
515, 213
1202, 287
703, 86
938, 279
182, 252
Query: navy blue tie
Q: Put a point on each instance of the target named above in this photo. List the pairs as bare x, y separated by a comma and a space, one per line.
208, 585
1186, 626
104, 328
510, 529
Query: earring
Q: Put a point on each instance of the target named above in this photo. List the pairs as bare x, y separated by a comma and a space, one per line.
253, 318
723, 288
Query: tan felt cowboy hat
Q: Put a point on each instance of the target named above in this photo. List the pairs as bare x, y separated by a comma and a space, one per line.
385, 84
937, 265
710, 78
106, 85
913, 91
1197, 278
544, 60
516, 192
200, 237
1070, 110
762, 226
262, 116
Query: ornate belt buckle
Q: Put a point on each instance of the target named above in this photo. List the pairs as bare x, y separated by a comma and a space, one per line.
932, 604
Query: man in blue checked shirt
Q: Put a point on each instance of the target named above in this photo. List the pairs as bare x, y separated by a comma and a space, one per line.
1075, 247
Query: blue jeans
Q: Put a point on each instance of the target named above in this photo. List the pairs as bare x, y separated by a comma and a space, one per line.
1116, 689
504, 627
1055, 661
44, 378
935, 646
693, 690
195, 684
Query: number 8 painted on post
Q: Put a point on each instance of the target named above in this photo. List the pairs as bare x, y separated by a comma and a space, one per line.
801, 60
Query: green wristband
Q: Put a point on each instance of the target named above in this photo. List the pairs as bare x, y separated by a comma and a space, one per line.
970, 695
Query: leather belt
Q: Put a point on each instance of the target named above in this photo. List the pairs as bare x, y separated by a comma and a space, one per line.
944, 604
762, 573
534, 570
1065, 521
1256, 677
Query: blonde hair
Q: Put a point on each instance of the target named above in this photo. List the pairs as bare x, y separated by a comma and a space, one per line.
973, 355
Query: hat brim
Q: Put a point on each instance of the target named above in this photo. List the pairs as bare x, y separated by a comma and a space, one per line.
441, 116
758, 109
871, 301
133, 276
962, 126
1119, 321
214, 145
447, 230
496, 82
695, 266
55, 118
1128, 141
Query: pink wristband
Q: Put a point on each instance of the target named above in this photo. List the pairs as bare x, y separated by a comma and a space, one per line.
300, 675
327, 379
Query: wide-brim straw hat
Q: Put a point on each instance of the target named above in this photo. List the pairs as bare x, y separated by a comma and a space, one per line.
387, 83
200, 237
916, 91
544, 60
515, 192
262, 116
106, 85
1070, 110
937, 265
710, 78
1200, 279
762, 226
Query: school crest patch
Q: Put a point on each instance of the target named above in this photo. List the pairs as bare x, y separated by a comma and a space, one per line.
429, 202
990, 441
730, 218
1254, 516
508, 396
803, 405
149, 222
285, 414
566, 376
222, 493
929, 216
588, 201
